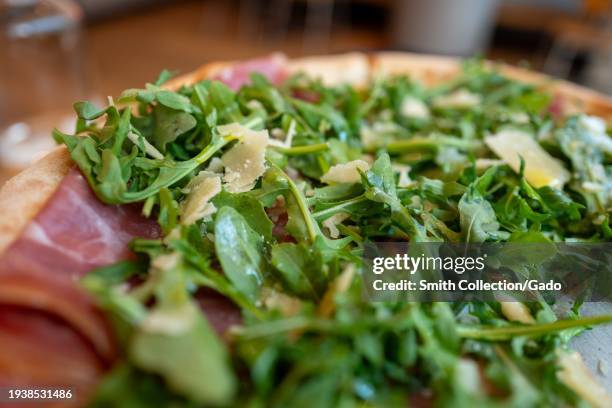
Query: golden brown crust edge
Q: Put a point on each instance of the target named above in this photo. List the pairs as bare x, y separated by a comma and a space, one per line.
23, 196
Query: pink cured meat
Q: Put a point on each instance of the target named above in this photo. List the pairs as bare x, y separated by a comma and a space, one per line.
76, 233
237, 75
73, 234
220, 312
41, 350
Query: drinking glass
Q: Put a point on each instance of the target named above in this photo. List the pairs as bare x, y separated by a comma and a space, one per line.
41, 75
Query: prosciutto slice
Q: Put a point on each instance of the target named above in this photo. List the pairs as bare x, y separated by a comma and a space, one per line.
76, 233
272, 67
41, 350
42, 308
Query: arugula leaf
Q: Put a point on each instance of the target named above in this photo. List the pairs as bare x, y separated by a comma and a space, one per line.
379, 184
173, 100
170, 124
187, 354
115, 180
250, 208
86, 110
476, 214
239, 249
478, 220
299, 270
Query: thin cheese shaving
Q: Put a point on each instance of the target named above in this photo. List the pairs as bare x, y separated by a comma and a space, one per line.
200, 190
278, 135
577, 376
171, 322
332, 222
369, 138
540, 168
404, 176
275, 300
352, 68
215, 165
460, 99
345, 173
414, 108
245, 162
517, 312
468, 375
166, 261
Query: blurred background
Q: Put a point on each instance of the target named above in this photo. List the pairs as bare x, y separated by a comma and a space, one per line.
53, 52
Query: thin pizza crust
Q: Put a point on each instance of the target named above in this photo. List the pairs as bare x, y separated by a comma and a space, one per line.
352, 68
23, 196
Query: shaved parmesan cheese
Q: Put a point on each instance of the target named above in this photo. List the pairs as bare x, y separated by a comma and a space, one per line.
236, 129
404, 177
345, 173
519, 117
592, 187
352, 68
334, 220
574, 373
275, 300
166, 261
540, 168
200, 190
460, 99
414, 108
245, 162
468, 375
174, 234
254, 104
374, 136
215, 165
172, 322
290, 134
404, 180
369, 138
278, 134
416, 202
517, 312
276, 143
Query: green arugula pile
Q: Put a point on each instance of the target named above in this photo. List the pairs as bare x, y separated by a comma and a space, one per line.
307, 337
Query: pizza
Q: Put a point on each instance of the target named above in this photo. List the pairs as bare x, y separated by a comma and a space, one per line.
197, 241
